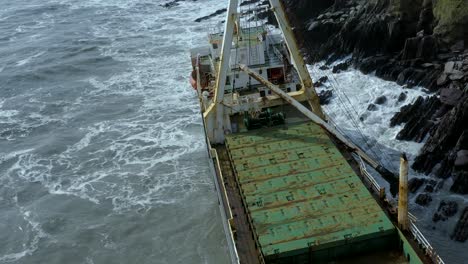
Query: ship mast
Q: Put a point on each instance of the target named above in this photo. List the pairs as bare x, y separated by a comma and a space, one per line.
214, 116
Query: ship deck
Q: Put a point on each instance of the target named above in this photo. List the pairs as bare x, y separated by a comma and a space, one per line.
299, 195
245, 243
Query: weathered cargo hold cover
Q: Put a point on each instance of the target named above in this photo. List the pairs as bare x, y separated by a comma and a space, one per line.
301, 194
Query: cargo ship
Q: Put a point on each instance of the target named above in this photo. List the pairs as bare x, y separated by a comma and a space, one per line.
291, 188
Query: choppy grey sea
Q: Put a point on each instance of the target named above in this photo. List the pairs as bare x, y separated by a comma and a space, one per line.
102, 154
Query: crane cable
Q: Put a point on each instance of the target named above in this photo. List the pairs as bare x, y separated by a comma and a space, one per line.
347, 109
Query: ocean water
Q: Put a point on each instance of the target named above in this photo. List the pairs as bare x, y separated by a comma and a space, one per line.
102, 156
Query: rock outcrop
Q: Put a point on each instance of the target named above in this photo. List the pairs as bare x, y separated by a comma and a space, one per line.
419, 118
449, 137
417, 42
446, 209
423, 199
460, 232
414, 184
325, 96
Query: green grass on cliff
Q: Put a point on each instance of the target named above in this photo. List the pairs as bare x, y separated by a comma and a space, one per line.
452, 17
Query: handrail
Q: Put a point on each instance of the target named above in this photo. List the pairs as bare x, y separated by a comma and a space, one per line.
412, 217
225, 196
218, 167
214, 155
419, 237
373, 182
417, 234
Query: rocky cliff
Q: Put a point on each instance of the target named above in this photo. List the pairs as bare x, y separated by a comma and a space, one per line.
411, 42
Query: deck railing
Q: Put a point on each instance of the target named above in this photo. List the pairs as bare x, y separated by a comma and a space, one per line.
226, 204
417, 234
374, 184
419, 237
227, 214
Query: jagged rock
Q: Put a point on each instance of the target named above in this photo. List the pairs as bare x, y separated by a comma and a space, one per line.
414, 184
449, 66
430, 186
462, 158
171, 3
324, 67
450, 96
460, 183
459, 46
427, 48
248, 2
336, 14
418, 118
341, 67
304, 10
462, 143
427, 65
403, 77
444, 169
442, 79
440, 185
426, 18
423, 199
380, 100
402, 97
423, 47
216, 13
388, 71
370, 64
445, 56
420, 33
321, 81
453, 67
460, 233
446, 209
266, 14
325, 97
463, 140
363, 117
412, 76
372, 107
442, 141
411, 48
456, 85
456, 76
314, 25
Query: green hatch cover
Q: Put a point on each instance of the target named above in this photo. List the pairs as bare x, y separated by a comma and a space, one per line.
300, 192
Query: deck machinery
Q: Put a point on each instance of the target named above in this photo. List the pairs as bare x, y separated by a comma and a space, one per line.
291, 189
